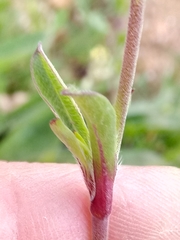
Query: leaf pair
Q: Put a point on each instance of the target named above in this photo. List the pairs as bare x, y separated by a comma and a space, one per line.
85, 122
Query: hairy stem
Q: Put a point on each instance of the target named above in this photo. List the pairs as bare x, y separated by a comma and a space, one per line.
100, 228
129, 65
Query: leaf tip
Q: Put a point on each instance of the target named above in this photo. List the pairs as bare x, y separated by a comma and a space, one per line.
39, 47
37, 51
52, 122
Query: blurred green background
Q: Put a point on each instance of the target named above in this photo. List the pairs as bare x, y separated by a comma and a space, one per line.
85, 41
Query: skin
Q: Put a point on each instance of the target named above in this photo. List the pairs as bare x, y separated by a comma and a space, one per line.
50, 202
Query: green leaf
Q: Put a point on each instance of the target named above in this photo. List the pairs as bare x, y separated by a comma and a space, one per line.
78, 148
49, 85
101, 120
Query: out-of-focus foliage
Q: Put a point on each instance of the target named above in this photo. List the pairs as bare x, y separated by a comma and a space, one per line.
153, 128
84, 40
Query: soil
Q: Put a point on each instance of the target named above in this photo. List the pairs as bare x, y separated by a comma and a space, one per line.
160, 46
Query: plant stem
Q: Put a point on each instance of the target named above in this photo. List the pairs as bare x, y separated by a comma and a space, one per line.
100, 228
129, 65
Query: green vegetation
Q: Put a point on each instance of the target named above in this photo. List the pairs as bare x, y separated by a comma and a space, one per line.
85, 43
